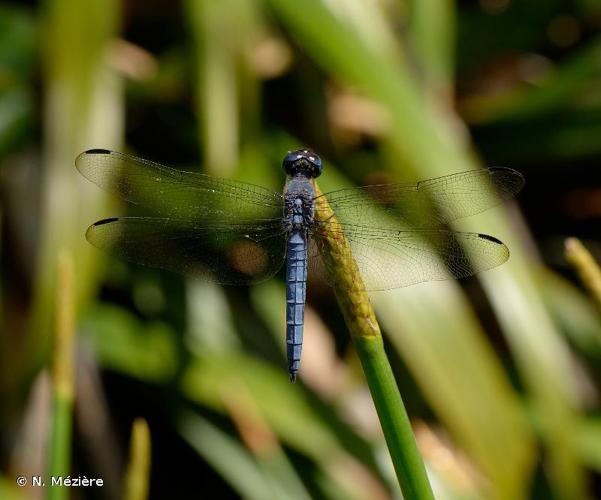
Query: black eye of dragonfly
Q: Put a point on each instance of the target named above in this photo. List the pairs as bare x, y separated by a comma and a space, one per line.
236, 233
302, 161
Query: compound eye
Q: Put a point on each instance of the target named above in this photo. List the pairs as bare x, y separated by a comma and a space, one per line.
289, 160
302, 160
315, 163
316, 160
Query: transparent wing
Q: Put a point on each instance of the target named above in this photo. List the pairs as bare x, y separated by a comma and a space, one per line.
232, 254
428, 203
393, 259
316, 267
174, 193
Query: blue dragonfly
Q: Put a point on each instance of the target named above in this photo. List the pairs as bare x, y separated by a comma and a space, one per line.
235, 233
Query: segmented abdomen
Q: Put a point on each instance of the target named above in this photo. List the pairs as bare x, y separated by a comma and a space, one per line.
296, 286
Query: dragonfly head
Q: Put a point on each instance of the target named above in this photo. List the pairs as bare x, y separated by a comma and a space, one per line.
302, 161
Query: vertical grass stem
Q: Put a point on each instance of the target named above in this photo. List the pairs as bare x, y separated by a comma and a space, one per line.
138, 469
59, 461
361, 321
586, 267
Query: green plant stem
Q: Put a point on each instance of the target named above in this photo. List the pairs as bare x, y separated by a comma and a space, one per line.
361, 321
407, 461
60, 448
59, 460
138, 469
586, 267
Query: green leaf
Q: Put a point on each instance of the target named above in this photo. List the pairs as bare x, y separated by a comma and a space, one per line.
125, 344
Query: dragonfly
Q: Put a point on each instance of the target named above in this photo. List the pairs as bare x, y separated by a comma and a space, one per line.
235, 233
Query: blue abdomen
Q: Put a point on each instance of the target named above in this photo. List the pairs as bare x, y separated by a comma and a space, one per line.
296, 287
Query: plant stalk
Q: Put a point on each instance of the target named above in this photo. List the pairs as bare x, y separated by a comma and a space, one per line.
361, 321
587, 268
137, 477
59, 460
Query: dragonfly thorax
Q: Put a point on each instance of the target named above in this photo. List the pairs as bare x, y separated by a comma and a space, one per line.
298, 204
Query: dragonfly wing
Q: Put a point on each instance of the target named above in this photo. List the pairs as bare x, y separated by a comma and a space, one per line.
232, 254
316, 267
390, 259
174, 193
428, 203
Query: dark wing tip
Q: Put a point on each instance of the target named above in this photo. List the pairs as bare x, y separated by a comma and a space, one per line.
105, 221
513, 180
293, 377
80, 160
91, 231
97, 152
488, 238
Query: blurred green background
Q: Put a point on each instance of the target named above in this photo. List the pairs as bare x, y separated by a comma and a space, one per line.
500, 373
